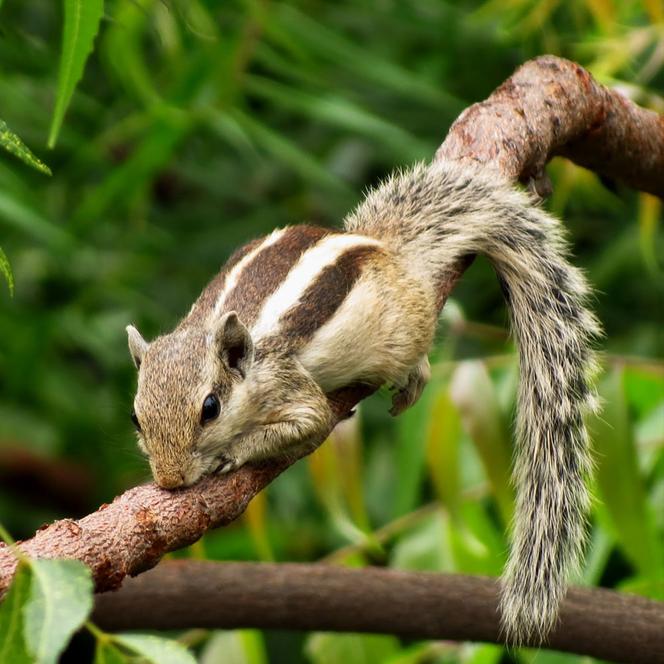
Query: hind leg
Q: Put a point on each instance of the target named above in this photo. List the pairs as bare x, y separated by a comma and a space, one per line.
408, 393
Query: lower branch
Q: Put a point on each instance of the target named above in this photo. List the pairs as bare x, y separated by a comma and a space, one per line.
187, 594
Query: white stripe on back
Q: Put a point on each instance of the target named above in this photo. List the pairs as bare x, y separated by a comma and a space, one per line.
234, 274
302, 275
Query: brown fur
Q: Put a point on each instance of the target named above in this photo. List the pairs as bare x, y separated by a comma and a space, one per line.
268, 269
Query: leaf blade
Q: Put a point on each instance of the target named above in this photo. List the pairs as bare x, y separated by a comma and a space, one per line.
81, 25
155, 649
60, 601
6, 270
12, 642
13, 144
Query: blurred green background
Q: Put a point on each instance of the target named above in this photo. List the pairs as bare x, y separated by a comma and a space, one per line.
199, 125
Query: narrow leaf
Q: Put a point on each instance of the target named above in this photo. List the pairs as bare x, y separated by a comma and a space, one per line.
60, 601
621, 485
475, 397
12, 642
650, 210
256, 518
155, 649
6, 270
443, 450
82, 18
14, 145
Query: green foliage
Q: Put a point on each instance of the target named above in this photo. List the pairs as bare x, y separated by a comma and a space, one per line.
81, 24
47, 602
241, 646
363, 649
10, 142
155, 649
13, 644
202, 124
622, 487
107, 653
60, 600
6, 270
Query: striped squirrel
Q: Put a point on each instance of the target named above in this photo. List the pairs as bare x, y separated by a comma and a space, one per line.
303, 311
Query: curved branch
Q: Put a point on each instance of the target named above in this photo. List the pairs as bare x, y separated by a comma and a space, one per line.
139, 527
185, 594
549, 106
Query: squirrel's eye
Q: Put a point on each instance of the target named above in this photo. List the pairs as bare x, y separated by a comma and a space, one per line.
134, 419
210, 408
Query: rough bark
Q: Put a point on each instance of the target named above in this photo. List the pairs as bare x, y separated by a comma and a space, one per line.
183, 594
548, 107
551, 107
133, 533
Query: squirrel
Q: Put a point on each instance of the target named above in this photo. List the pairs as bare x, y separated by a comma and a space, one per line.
297, 314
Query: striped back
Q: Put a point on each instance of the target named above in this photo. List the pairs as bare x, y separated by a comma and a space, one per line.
286, 285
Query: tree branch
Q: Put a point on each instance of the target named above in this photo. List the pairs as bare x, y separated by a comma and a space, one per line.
549, 106
183, 594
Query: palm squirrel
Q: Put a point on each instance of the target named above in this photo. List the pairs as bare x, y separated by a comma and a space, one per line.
299, 313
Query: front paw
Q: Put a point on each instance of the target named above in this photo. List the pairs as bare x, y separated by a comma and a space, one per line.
227, 464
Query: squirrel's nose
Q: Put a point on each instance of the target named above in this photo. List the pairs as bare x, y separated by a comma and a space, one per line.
171, 481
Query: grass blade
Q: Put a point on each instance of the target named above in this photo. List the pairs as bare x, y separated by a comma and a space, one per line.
474, 395
6, 270
14, 145
82, 18
620, 483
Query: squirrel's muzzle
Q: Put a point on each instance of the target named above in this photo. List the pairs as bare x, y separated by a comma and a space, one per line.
170, 481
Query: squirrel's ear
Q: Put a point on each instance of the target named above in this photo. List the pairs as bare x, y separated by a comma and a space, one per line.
137, 345
234, 343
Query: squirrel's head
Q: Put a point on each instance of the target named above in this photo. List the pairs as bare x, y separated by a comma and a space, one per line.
185, 380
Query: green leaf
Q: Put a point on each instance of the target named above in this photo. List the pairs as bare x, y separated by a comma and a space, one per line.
14, 145
155, 649
650, 212
329, 470
12, 642
323, 648
476, 544
486, 654
82, 18
443, 449
60, 601
240, 646
107, 653
620, 483
474, 395
6, 270
425, 547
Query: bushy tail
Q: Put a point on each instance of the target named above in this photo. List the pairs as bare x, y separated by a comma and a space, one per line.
436, 214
